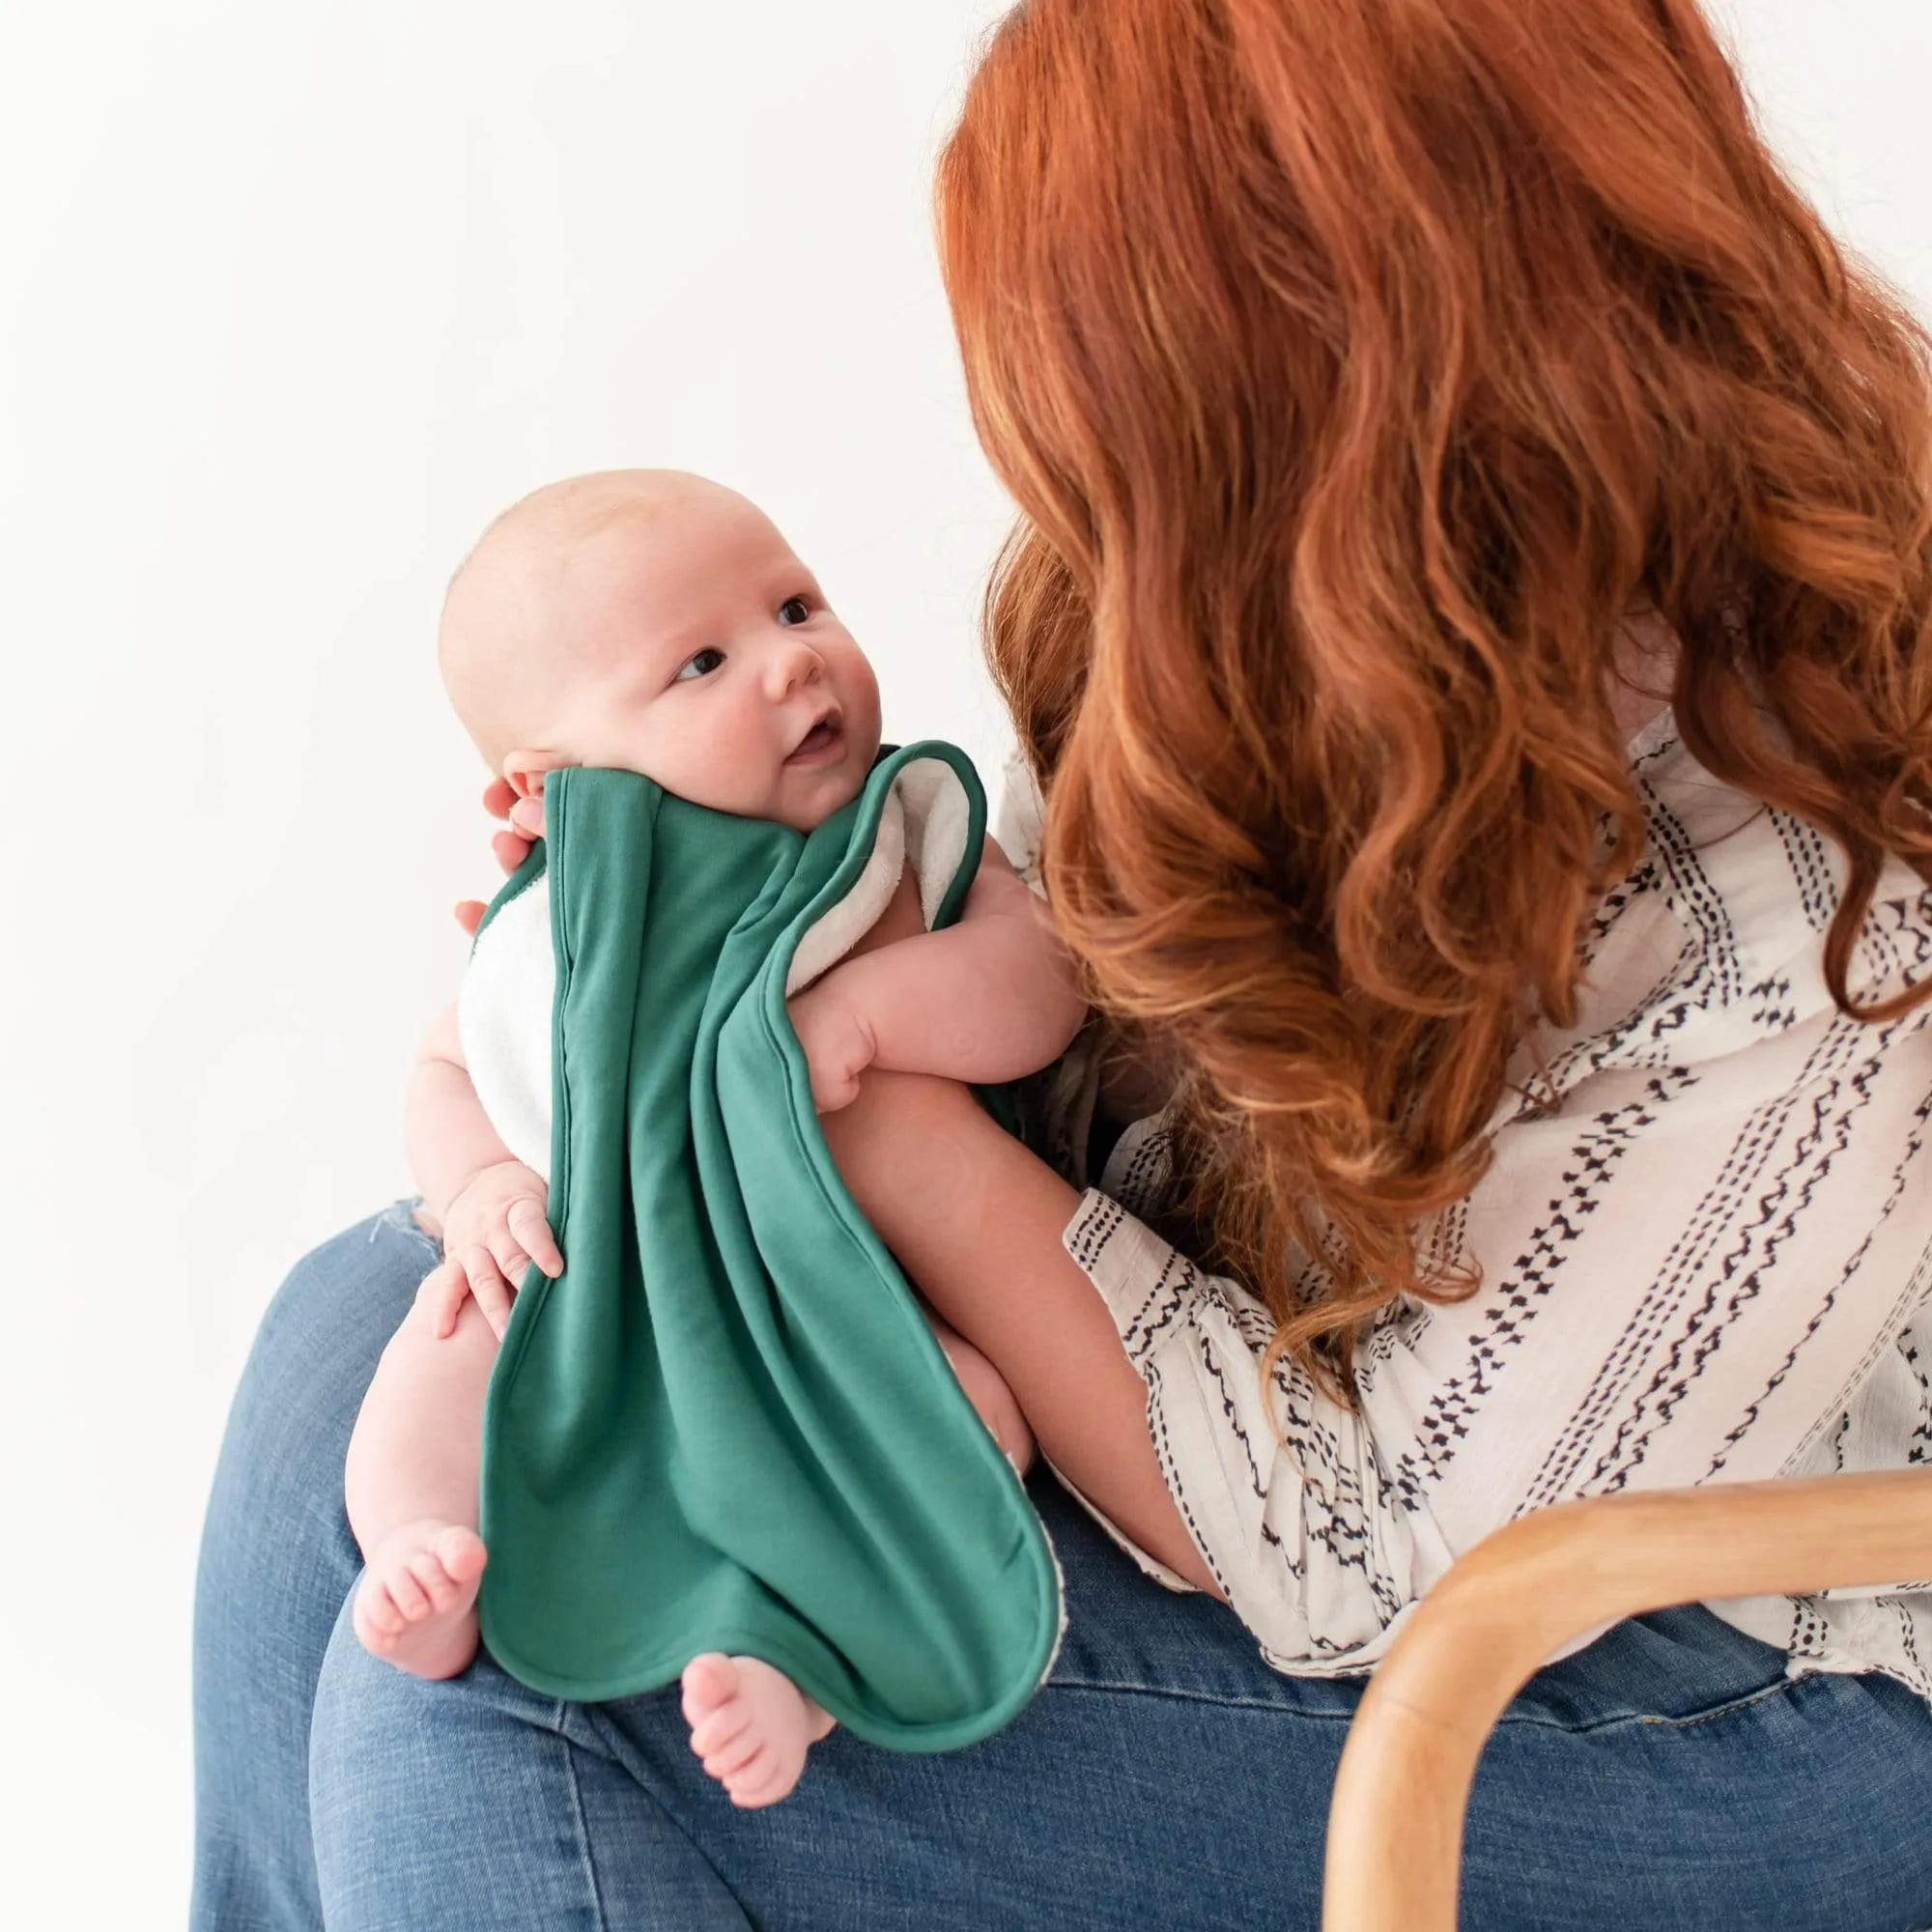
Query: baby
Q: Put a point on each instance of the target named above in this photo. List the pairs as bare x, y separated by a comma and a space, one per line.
655, 622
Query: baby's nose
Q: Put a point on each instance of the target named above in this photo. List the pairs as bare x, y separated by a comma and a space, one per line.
796, 664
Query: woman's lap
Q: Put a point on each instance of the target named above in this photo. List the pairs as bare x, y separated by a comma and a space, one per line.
1668, 1775
276, 1562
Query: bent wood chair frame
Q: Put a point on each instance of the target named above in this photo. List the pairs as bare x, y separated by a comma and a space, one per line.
1395, 1823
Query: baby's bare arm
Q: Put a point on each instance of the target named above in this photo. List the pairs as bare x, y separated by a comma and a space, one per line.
447, 1135
991, 998
488, 1209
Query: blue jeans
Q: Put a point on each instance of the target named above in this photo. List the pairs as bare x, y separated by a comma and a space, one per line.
1667, 1776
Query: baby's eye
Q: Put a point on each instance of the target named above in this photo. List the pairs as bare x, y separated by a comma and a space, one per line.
794, 603
702, 665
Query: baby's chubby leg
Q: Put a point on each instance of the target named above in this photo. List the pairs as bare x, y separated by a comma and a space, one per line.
410, 1486
749, 1724
986, 1390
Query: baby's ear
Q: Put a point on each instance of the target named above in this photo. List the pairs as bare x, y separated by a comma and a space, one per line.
525, 771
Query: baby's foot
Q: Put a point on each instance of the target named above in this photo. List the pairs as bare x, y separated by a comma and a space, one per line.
416, 1605
751, 1724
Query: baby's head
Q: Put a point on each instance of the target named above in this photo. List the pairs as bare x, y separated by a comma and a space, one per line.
653, 621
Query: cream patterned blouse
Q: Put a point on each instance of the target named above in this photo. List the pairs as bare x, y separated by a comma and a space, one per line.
1706, 1251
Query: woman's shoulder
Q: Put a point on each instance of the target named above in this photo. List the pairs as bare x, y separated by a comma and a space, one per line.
1715, 941
1756, 888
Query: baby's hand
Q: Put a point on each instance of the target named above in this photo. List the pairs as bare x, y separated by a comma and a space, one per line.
492, 1230
838, 1044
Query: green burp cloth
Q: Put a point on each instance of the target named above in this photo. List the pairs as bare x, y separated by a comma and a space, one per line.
727, 1425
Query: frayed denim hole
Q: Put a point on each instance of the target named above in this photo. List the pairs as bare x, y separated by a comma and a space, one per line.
399, 1219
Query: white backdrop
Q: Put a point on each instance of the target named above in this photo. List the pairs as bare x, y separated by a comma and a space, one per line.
292, 297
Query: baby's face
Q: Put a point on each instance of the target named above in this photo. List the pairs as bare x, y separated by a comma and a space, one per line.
703, 655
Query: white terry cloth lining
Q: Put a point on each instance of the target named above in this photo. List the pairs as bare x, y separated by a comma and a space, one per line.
503, 1022
503, 1006
924, 819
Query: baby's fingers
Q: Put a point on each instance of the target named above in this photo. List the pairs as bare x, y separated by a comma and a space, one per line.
441, 1295
491, 1292
528, 1223
511, 1260
831, 1091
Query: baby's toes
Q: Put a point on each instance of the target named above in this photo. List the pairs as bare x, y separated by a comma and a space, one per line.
441, 1588
375, 1610
736, 1758
407, 1594
710, 1682
461, 1553
762, 1782
710, 1734
748, 1770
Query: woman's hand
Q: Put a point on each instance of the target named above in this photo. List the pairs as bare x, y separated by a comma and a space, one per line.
512, 847
492, 1231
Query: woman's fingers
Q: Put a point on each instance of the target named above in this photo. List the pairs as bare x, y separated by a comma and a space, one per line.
511, 849
530, 1227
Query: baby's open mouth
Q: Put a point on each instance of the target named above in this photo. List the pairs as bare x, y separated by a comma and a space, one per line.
821, 741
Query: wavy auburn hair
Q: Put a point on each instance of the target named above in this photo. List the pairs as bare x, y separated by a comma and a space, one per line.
1357, 367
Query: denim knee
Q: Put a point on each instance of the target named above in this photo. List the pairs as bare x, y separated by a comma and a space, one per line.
276, 1564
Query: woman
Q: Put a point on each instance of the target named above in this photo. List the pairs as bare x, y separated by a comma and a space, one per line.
1471, 625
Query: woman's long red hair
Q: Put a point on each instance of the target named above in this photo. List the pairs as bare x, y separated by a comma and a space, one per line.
1358, 366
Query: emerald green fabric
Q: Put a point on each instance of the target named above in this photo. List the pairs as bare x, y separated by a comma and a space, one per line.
727, 1425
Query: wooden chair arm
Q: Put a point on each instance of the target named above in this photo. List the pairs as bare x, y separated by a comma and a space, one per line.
1395, 1823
